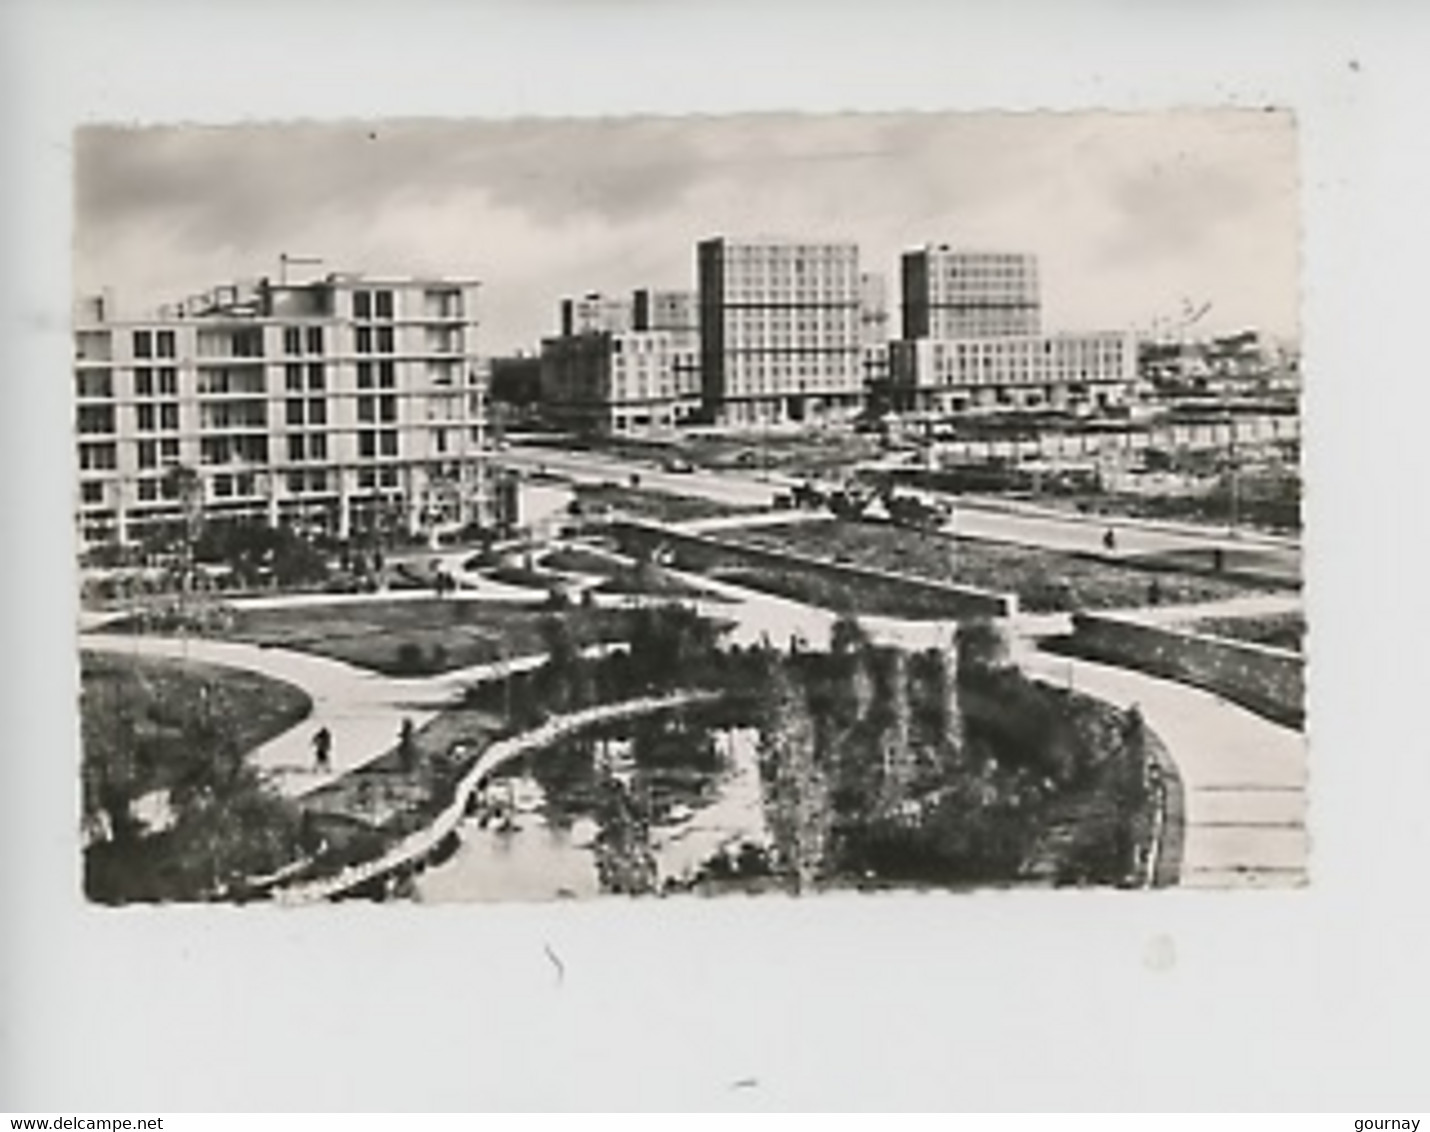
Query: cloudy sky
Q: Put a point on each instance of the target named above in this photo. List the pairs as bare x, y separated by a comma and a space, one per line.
1133, 216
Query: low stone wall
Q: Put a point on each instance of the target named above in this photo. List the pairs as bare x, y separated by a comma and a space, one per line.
693, 551
1269, 681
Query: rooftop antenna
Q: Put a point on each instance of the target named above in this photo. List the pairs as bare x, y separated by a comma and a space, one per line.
284, 259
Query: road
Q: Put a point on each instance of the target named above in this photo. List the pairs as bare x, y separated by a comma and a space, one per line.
991, 520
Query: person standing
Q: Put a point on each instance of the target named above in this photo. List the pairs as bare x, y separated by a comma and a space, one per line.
323, 749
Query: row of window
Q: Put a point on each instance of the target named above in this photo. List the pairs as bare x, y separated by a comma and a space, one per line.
295, 338
154, 344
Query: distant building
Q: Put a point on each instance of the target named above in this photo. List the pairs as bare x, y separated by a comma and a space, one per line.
1077, 373
948, 293
874, 329
593, 313
516, 380
780, 331
629, 382
345, 405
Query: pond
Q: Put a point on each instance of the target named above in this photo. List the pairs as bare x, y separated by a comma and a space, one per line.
643, 805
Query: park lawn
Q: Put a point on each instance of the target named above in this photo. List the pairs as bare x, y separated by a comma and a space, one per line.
872, 598
621, 576
447, 634
660, 506
1282, 631
156, 695
1248, 563
1044, 580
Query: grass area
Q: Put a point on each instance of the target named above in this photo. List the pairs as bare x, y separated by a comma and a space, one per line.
173, 811
1044, 580
868, 599
621, 576
662, 506
155, 698
582, 560
1247, 563
419, 636
1282, 631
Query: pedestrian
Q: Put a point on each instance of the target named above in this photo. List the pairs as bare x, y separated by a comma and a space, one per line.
1154, 592
407, 746
1109, 540
323, 749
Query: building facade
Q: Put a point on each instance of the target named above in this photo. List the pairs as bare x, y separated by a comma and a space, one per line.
874, 329
1074, 373
631, 382
344, 405
594, 313
780, 331
948, 293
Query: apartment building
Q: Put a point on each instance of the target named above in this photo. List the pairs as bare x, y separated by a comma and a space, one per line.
951, 293
630, 382
346, 404
874, 329
676, 312
1075, 373
780, 331
594, 313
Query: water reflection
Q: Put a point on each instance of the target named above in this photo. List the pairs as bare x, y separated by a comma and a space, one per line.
661, 796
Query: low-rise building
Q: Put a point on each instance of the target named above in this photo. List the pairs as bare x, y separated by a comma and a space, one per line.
631, 382
1079, 373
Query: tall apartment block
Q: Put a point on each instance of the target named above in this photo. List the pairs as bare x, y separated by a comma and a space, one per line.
347, 404
780, 331
973, 341
969, 294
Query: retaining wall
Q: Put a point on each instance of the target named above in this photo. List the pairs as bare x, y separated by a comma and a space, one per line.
1267, 680
701, 552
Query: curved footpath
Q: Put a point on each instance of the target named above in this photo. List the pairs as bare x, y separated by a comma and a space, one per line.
363, 710
1243, 777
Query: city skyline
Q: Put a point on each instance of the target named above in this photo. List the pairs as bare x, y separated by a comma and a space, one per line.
1165, 212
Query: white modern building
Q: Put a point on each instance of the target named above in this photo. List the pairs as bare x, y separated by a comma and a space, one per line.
345, 404
1076, 373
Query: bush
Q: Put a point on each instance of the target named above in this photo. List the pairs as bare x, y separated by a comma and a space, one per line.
410, 661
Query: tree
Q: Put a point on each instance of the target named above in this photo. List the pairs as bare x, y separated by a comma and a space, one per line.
982, 648
796, 789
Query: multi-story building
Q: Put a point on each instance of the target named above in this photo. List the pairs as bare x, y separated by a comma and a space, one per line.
780, 331
345, 404
594, 312
678, 313
607, 382
949, 293
1077, 373
874, 329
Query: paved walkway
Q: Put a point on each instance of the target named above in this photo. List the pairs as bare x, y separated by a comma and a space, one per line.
1244, 777
363, 710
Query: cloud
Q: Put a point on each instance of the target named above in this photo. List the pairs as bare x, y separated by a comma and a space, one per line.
1124, 209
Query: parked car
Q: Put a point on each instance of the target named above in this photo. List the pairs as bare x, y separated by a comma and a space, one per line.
678, 465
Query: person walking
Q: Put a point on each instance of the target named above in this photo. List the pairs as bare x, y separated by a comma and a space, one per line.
323, 749
1109, 540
